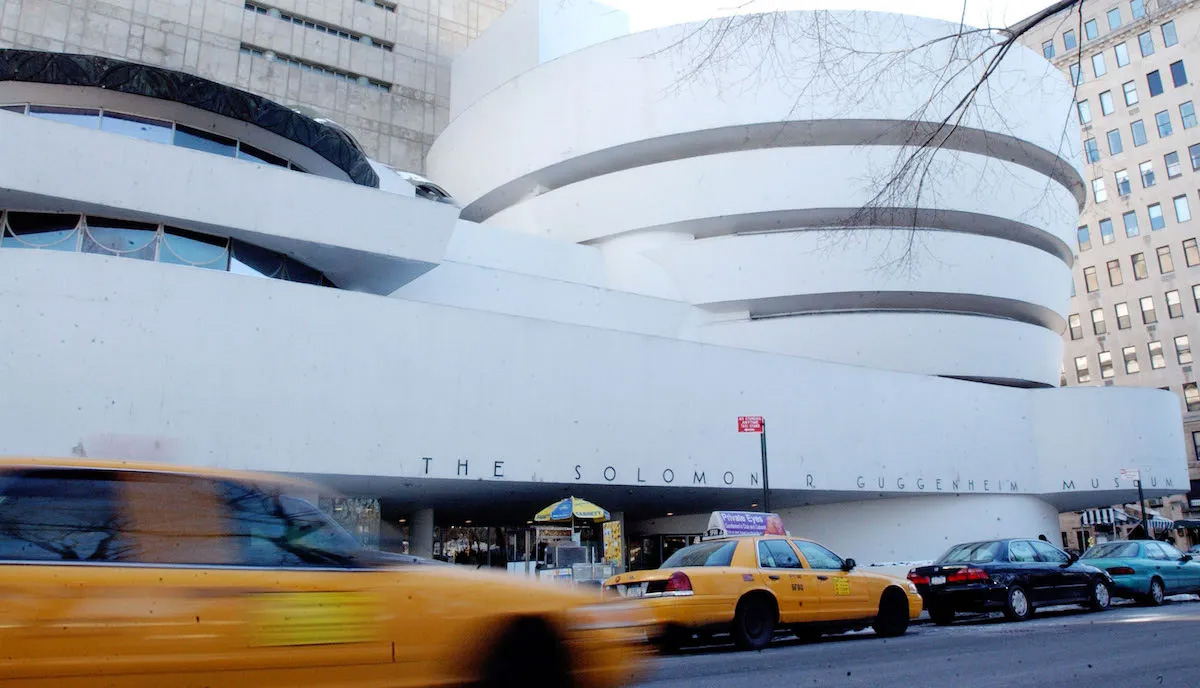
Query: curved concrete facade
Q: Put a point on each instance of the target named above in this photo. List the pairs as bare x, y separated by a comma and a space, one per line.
632, 103
607, 346
728, 193
641, 145
938, 342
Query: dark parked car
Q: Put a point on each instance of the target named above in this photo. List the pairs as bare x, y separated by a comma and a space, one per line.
1012, 576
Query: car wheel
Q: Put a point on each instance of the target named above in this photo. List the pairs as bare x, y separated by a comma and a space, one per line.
528, 653
942, 616
1157, 593
892, 619
1017, 606
753, 623
1100, 596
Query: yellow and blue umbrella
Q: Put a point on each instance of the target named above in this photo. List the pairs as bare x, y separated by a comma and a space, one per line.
570, 509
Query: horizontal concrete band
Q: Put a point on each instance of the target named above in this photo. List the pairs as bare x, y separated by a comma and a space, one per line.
857, 132
901, 301
1002, 381
871, 219
926, 343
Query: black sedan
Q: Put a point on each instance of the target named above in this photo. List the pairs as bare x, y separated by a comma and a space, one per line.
1012, 576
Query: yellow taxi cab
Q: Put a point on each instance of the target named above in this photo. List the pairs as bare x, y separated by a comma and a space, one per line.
752, 584
135, 574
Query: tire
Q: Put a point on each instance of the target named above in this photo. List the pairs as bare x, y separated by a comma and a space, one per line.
892, 619
753, 623
1157, 593
528, 653
942, 616
1017, 606
1099, 597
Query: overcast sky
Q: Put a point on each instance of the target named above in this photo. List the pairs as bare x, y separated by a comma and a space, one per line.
645, 14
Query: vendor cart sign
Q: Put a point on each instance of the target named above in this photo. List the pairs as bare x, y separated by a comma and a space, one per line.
552, 533
723, 523
614, 543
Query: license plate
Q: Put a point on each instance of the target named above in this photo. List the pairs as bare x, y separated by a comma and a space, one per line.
635, 590
937, 580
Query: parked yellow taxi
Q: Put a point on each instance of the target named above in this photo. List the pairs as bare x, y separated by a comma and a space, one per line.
750, 585
125, 574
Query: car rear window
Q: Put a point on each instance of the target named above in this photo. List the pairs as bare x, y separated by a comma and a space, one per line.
1110, 550
61, 515
972, 552
276, 530
91, 515
703, 554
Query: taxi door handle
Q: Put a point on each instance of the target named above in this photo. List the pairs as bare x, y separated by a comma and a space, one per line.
822, 577
773, 577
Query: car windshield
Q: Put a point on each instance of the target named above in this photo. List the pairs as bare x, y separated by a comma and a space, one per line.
703, 554
1110, 550
972, 552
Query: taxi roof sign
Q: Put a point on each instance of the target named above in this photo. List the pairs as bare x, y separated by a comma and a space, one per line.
728, 523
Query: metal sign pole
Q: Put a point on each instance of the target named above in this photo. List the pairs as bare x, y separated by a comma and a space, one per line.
759, 424
1142, 506
766, 483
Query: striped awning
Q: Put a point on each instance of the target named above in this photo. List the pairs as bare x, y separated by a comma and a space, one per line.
1105, 517
1161, 525
1157, 523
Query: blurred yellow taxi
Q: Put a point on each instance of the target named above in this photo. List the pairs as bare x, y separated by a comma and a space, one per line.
128, 574
751, 585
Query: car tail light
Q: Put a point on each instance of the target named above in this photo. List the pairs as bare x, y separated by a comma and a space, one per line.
968, 575
918, 578
1120, 571
679, 582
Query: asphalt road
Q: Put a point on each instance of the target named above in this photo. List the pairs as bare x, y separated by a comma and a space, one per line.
1124, 647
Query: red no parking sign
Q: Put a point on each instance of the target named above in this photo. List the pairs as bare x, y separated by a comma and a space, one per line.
750, 424
756, 424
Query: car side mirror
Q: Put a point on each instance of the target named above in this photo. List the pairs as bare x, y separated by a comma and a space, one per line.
1072, 557
849, 564
1186, 558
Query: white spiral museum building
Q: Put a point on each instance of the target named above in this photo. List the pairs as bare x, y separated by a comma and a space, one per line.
649, 246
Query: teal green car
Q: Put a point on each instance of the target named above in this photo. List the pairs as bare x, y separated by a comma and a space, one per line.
1146, 570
